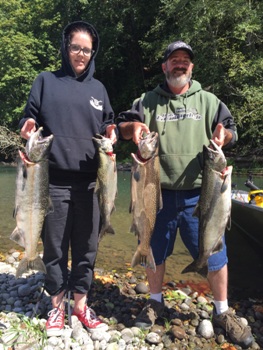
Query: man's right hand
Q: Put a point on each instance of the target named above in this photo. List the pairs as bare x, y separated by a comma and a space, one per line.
28, 128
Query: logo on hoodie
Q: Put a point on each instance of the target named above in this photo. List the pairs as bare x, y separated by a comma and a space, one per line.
96, 103
179, 114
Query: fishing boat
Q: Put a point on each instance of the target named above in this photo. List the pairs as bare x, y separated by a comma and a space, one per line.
247, 212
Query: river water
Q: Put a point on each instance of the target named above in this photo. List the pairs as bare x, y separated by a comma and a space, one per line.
115, 251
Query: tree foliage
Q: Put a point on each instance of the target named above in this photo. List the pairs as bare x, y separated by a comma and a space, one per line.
227, 38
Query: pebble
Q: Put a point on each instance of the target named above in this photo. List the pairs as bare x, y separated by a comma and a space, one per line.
205, 329
186, 323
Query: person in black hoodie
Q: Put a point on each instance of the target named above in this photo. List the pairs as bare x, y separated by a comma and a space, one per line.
73, 106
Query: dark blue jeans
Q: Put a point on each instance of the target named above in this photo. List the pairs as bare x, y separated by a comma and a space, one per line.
72, 227
177, 213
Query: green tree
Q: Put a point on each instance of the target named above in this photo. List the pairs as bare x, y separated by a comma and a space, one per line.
227, 38
25, 50
122, 26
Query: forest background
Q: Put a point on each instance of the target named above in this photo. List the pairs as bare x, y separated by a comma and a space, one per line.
226, 36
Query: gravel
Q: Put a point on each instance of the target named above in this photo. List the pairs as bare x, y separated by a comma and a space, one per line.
117, 299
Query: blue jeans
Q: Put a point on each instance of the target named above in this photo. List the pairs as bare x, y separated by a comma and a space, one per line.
177, 213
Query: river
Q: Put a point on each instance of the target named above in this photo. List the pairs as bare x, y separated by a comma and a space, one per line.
115, 252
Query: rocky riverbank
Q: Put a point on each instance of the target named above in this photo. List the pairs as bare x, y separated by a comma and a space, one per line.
117, 298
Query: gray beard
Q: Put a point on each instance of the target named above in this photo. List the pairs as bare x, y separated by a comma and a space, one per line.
178, 82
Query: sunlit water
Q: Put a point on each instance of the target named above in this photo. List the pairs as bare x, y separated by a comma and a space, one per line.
116, 251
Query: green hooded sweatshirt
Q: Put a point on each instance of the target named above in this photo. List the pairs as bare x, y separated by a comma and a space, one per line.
184, 123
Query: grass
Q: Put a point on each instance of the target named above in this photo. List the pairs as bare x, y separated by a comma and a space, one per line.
25, 331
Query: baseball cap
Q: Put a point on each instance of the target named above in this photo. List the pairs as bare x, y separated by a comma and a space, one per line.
177, 45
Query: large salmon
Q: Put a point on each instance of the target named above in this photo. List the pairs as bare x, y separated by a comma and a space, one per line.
32, 202
146, 197
106, 184
214, 206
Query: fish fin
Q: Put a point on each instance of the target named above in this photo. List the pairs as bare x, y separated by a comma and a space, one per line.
135, 173
15, 212
160, 206
136, 259
203, 271
113, 209
193, 267
38, 265
189, 268
131, 208
136, 176
25, 265
196, 211
133, 229
106, 229
228, 224
18, 236
110, 229
225, 184
143, 260
24, 170
97, 188
101, 235
218, 247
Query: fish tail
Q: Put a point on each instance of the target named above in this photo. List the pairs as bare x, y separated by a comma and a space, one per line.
143, 260
25, 265
189, 268
106, 229
150, 262
196, 267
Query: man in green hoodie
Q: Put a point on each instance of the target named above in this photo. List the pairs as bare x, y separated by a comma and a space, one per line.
185, 117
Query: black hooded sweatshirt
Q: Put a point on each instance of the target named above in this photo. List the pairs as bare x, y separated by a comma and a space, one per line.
73, 109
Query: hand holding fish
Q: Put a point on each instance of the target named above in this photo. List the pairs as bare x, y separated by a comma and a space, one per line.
138, 130
111, 134
28, 128
221, 136
133, 130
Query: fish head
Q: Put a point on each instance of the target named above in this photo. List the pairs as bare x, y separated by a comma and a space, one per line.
38, 147
214, 157
148, 145
103, 144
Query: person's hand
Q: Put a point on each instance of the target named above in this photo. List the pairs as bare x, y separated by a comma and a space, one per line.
111, 134
28, 128
133, 130
138, 130
221, 136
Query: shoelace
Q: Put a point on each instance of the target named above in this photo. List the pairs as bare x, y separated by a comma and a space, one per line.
91, 315
232, 318
56, 315
69, 310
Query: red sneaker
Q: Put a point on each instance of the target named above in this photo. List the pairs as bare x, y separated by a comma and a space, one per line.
89, 319
55, 322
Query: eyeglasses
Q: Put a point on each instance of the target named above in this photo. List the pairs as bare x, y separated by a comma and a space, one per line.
74, 48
